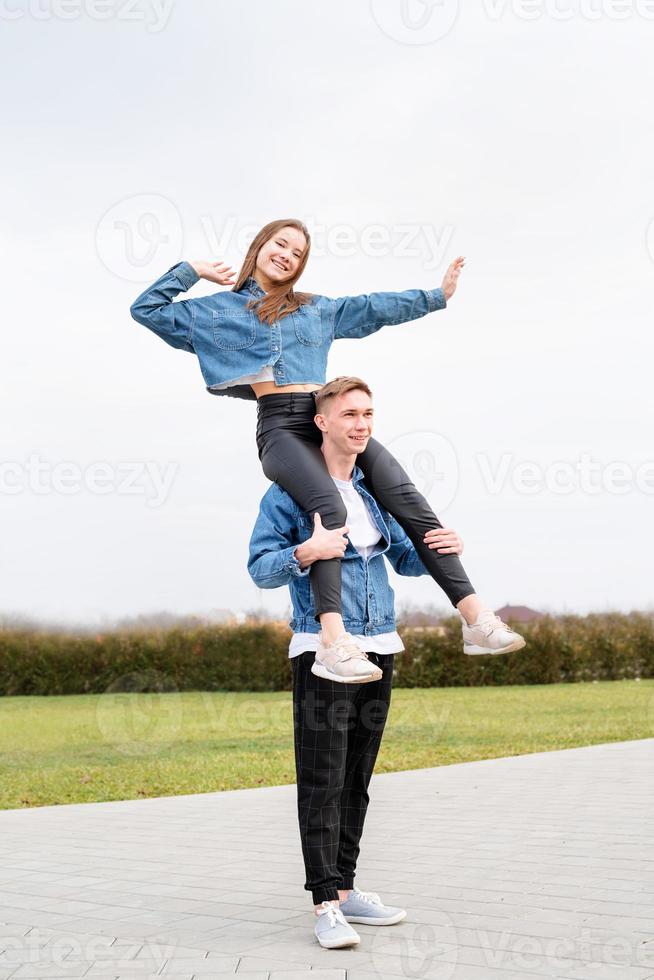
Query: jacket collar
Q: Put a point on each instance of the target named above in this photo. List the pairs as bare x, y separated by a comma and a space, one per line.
252, 286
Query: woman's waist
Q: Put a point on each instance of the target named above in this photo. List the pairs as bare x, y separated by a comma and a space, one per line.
287, 402
268, 389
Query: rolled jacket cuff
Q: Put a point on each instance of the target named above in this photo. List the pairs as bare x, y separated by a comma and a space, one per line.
186, 274
292, 565
437, 299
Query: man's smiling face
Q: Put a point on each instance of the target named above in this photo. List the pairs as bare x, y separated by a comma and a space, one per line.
347, 422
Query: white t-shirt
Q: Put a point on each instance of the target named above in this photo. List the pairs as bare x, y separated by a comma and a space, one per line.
364, 535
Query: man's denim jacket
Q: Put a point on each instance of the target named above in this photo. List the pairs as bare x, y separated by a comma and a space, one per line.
231, 342
367, 597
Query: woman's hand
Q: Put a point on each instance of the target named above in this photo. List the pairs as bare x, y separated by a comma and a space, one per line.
451, 277
444, 540
218, 272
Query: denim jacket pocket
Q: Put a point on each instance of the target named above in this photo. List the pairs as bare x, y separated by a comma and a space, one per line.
308, 326
234, 330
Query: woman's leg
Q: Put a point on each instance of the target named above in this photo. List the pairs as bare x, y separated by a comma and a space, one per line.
291, 457
392, 489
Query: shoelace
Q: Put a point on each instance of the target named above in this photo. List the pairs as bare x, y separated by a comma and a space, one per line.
344, 643
492, 624
371, 897
333, 914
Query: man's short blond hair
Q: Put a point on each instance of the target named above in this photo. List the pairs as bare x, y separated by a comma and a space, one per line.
336, 387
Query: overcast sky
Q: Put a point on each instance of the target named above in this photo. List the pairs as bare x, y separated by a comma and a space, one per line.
403, 133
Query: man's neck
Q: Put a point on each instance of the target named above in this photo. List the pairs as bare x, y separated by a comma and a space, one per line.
339, 464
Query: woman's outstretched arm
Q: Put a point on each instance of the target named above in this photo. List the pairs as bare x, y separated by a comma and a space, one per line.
359, 316
173, 322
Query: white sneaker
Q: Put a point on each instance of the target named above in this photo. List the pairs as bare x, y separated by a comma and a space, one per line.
489, 635
331, 929
344, 661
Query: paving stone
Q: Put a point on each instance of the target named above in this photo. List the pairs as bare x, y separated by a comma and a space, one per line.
315, 975
252, 964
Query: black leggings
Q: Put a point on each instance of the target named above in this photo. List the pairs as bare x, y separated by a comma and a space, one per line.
289, 443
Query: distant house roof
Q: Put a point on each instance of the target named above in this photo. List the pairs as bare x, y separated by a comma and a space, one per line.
519, 614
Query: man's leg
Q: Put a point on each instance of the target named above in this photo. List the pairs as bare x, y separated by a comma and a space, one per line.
364, 740
322, 712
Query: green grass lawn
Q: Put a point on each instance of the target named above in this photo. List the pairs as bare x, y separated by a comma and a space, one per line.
87, 748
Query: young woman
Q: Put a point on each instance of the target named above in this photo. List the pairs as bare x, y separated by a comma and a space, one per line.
264, 340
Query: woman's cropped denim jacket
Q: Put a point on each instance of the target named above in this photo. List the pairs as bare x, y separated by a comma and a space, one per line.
231, 341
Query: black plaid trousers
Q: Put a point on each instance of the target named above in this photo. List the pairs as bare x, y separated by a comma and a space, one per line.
338, 729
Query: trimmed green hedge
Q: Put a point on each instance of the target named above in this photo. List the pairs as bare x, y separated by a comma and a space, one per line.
254, 657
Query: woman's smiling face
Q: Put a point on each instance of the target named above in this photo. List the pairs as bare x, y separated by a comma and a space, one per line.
279, 258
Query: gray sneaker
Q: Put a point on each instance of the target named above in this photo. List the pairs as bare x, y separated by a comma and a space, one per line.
368, 907
332, 931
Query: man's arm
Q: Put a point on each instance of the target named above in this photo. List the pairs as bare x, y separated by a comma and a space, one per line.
272, 561
401, 554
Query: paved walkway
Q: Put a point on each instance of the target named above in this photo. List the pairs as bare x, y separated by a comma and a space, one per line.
535, 866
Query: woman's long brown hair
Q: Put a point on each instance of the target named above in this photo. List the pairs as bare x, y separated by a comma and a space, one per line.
282, 298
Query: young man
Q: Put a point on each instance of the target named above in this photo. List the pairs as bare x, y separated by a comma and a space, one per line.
339, 722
